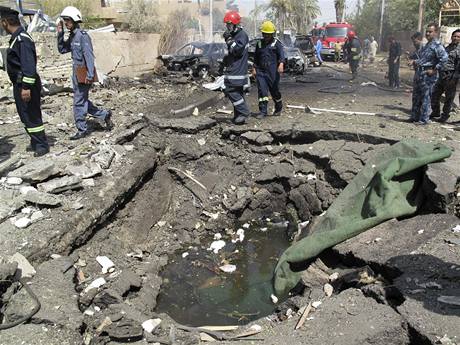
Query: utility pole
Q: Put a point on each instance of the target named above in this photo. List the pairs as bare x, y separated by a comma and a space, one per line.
421, 8
255, 18
211, 31
382, 12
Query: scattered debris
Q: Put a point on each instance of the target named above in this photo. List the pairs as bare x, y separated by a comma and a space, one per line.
106, 264
97, 283
274, 299
316, 304
451, 300
150, 325
328, 290
228, 268
304, 316
216, 246
24, 269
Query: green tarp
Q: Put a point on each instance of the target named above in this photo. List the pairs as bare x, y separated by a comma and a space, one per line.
386, 188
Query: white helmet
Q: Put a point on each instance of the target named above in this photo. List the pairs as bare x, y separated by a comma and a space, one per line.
73, 13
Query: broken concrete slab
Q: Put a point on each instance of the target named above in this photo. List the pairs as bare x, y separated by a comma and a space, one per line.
10, 164
60, 185
104, 157
275, 172
10, 202
85, 170
43, 199
36, 171
258, 138
24, 268
128, 134
191, 125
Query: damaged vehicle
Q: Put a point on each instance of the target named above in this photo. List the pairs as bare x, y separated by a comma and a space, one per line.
198, 58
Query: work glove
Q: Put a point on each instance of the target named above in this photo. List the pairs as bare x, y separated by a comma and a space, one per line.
227, 35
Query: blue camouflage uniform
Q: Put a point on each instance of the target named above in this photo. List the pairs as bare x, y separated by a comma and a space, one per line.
431, 56
236, 74
22, 71
79, 44
268, 56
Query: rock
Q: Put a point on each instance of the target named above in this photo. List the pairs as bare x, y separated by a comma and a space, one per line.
14, 181
85, 170
26, 189
10, 164
276, 171
328, 289
40, 198
150, 325
88, 182
95, 284
107, 297
105, 263
187, 150
60, 185
10, 202
25, 269
22, 223
127, 280
36, 216
37, 171
258, 138
125, 330
104, 157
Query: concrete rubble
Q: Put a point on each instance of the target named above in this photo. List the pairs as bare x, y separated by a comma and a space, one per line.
96, 221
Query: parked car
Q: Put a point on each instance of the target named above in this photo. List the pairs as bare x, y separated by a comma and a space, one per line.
200, 58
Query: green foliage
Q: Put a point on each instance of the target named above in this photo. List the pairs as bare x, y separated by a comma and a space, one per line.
55, 7
142, 16
295, 14
400, 15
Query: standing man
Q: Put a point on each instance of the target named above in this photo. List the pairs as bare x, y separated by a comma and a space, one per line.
431, 60
79, 44
374, 46
22, 70
268, 65
319, 46
447, 81
236, 73
354, 53
366, 48
337, 51
394, 59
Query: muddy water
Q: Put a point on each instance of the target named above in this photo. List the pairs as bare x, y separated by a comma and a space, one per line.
197, 292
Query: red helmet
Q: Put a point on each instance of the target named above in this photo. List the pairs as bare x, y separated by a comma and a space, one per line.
232, 17
351, 34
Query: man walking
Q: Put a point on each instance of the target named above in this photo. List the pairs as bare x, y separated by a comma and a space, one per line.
394, 59
79, 44
431, 60
268, 65
366, 48
319, 46
374, 46
22, 71
236, 73
447, 81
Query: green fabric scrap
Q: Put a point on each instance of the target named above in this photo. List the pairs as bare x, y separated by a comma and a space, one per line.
387, 187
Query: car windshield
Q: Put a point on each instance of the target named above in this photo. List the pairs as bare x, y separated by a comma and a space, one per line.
191, 49
336, 32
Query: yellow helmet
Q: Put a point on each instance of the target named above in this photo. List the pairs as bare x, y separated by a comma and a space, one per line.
268, 27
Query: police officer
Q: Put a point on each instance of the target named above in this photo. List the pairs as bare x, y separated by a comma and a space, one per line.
236, 73
447, 81
79, 44
268, 64
394, 58
353, 53
22, 70
431, 60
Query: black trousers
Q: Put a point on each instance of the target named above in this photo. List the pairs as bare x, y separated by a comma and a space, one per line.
393, 74
448, 86
30, 114
354, 64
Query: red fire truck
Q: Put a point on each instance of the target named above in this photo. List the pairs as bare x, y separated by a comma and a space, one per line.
334, 32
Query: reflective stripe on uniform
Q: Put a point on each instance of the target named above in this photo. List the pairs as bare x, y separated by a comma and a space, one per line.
354, 49
36, 129
233, 45
241, 101
12, 43
277, 100
236, 77
28, 80
356, 57
23, 34
264, 99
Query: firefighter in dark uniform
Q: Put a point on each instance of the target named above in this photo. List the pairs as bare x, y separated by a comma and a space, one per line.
394, 59
268, 64
22, 69
448, 79
236, 74
353, 53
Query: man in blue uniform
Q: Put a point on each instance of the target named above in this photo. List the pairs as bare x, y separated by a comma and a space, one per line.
318, 48
22, 69
79, 44
448, 80
268, 64
431, 60
236, 73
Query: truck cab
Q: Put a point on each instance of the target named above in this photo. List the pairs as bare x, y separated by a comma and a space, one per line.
334, 32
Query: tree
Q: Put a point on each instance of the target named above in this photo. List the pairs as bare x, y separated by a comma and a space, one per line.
297, 14
55, 7
339, 10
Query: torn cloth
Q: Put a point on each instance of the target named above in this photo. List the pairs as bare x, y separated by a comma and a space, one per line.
389, 186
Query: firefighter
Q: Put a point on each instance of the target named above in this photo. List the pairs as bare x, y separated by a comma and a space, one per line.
236, 61
353, 53
79, 44
268, 65
22, 70
447, 81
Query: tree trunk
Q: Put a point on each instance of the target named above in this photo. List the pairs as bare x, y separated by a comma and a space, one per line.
339, 10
